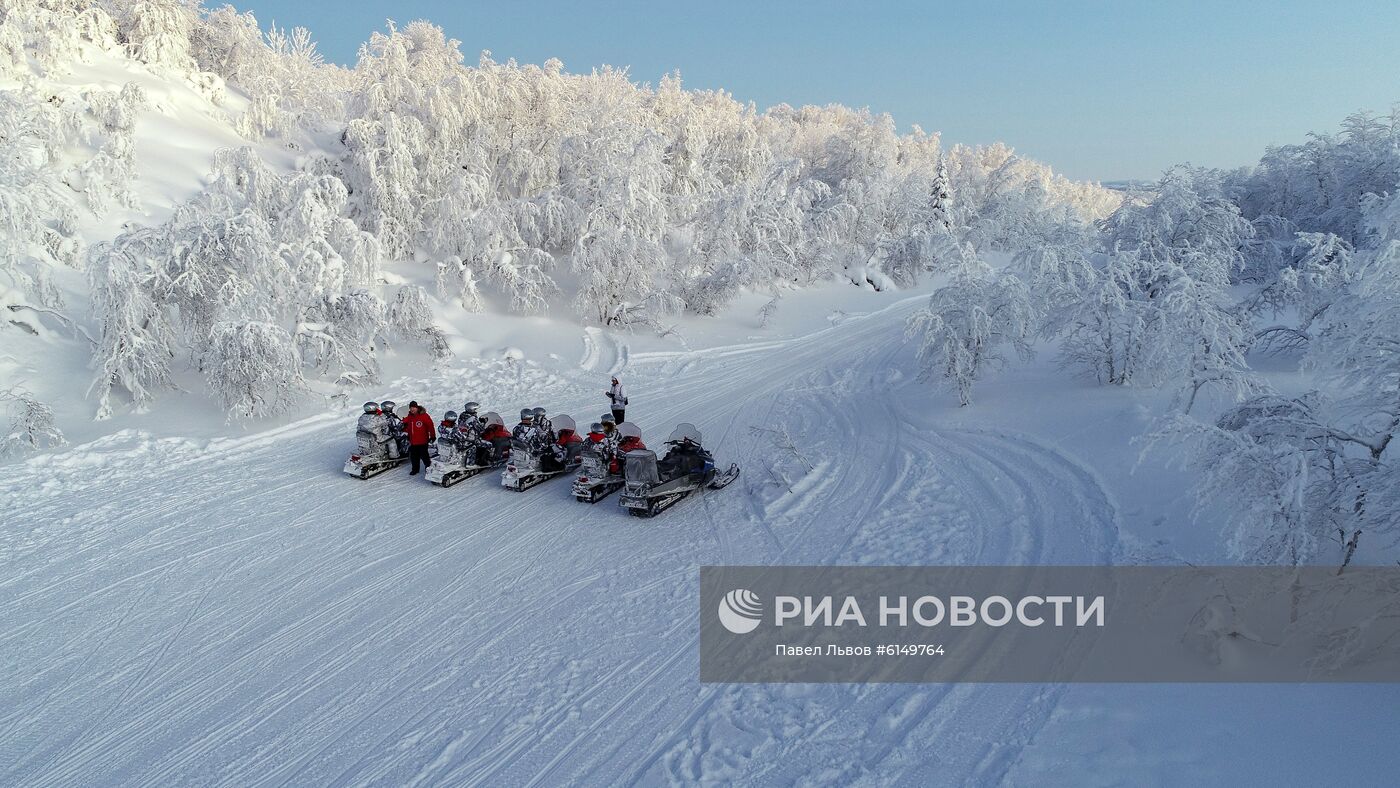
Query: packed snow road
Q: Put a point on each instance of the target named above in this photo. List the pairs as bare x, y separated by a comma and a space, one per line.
242, 613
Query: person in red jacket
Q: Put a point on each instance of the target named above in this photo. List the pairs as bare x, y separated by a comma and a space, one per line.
421, 431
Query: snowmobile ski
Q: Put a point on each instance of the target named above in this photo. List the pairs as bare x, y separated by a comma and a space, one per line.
722, 480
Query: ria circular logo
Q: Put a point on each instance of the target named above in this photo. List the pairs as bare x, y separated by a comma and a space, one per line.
740, 611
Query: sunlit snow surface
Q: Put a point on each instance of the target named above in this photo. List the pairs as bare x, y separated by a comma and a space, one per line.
237, 611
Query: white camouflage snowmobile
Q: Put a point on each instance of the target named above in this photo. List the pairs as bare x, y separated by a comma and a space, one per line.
535, 458
381, 444
654, 486
457, 463
595, 481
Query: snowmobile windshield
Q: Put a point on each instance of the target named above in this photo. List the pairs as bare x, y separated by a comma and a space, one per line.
629, 430
685, 431
562, 423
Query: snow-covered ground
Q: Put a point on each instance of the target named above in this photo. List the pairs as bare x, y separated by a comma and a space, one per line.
231, 609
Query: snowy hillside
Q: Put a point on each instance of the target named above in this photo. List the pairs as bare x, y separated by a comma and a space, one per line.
214, 247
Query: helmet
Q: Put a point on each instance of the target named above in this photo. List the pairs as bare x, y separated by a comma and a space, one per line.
526, 414
469, 409
388, 406
607, 418
371, 407
629, 430
539, 411
451, 415
564, 423
595, 427
491, 417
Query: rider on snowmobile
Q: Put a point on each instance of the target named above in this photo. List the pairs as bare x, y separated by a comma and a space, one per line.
469, 412
395, 427
450, 440
568, 446
596, 434
630, 439
469, 425
610, 431
526, 427
544, 425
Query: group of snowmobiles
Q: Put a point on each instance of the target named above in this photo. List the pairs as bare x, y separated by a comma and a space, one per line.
609, 457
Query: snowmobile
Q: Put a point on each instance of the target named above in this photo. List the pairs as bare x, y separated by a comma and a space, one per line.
654, 486
381, 443
533, 458
595, 482
471, 460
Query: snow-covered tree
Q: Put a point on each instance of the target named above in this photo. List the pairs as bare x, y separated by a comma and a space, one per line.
1305, 478
1320, 186
136, 343
1319, 270
967, 325
1157, 305
1295, 486
338, 336
252, 369
411, 317
31, 424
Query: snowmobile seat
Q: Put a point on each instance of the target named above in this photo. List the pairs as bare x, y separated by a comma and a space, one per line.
684, 458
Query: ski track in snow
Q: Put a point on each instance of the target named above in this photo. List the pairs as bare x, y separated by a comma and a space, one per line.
245, 614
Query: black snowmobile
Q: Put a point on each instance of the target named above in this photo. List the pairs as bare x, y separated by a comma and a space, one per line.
482, 458
653, 486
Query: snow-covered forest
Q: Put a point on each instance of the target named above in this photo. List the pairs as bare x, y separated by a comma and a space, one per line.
519, 188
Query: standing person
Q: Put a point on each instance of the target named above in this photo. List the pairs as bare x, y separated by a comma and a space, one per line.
418, 425
618, 398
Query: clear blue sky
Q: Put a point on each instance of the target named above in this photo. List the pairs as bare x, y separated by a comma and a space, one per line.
1098, 90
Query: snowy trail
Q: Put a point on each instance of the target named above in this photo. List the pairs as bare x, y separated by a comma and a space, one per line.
386, 632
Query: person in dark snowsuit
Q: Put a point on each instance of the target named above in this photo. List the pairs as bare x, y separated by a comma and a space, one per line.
419, 428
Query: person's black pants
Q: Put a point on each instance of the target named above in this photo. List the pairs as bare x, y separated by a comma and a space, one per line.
418, 454
620, 414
